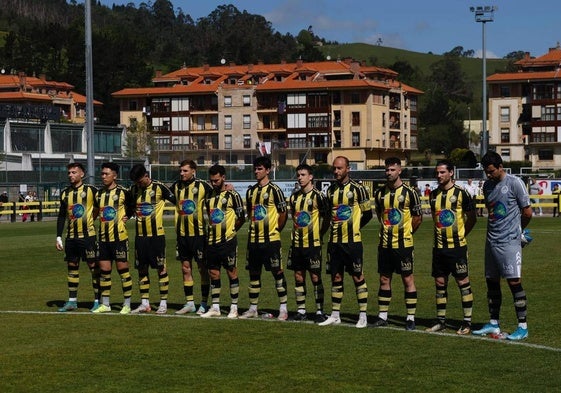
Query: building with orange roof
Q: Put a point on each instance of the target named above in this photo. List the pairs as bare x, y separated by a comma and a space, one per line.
525, 111
297, 112
42, 128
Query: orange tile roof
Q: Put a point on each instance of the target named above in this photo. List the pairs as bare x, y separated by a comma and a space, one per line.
81, 99
522, 76
289, 71
553, 57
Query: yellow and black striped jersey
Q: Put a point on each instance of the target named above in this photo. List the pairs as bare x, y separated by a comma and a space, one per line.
395, 209
224, 209
347, 202
78, 208
189, 208
264, 203
308, 209
448, 209
149, 208
114, 204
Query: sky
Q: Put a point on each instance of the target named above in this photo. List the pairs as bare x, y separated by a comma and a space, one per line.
435, 26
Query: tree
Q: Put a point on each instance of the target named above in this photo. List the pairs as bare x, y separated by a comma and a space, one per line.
139, 141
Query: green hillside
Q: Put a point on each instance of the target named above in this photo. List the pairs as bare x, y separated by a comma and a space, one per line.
385, 57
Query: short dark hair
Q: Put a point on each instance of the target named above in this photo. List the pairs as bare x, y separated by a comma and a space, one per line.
305, 167
76, 165
137, 172
192, 164
392, 161
262, 161
112, 166
217, 170
447, 162
491, 158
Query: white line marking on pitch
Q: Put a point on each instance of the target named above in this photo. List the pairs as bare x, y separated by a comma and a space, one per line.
348, 325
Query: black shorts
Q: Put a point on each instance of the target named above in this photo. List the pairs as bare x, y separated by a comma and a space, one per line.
344, 257
395, 260
84, 249
222, 255
268, 255
304, 258
191, 248
446, 261
114, 251
150, 251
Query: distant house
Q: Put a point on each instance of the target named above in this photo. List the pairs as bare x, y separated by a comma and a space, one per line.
525, 111
42, 128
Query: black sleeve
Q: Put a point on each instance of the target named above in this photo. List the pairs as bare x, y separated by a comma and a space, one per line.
61, 218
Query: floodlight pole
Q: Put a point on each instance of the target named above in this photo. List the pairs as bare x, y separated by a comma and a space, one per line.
483, 15
89, 95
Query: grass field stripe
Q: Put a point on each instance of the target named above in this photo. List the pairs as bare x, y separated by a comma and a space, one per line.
342, 325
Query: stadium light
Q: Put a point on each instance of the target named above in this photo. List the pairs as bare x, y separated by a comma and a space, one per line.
484, 14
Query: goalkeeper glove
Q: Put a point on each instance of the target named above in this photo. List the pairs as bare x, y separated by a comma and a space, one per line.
525, 238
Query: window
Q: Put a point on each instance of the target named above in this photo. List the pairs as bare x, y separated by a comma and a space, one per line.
227, 141
232, 159
133, 106
246, 121
246, 141
337, 118
296, 100
545, 154
227, 100
413, 103
356, 118
505, 91
356, 138
505, 114
543, 92
548, 113
505, 154
318, 120
505, 135
246, 100
179, 104
413, 123
296, 120
228, 122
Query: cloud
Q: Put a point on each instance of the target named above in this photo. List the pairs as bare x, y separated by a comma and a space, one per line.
490, 55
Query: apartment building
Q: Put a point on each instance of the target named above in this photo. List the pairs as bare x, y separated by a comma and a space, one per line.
525, 111
42, 128
296, 112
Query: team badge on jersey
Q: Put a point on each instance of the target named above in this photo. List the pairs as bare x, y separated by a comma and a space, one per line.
498, 211
144, 209
108, 214
392, 217
77, 211
259, 213
445, 218
302, 219
187, 206
216, 216
343, 213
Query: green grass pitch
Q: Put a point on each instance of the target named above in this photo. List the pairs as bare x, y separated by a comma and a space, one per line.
45, 351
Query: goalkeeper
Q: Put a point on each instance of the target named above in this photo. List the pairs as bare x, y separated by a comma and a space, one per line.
510, 212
